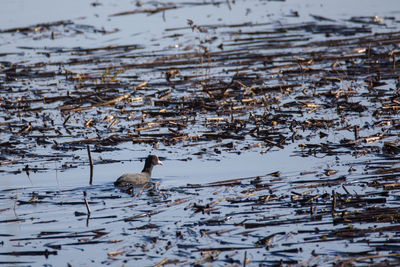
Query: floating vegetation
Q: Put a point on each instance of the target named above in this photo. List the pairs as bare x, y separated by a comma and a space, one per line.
338, 220
325, 87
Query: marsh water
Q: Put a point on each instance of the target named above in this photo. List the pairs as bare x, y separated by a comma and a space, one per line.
277, 122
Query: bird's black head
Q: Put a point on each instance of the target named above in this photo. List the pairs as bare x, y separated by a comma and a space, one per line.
151, 161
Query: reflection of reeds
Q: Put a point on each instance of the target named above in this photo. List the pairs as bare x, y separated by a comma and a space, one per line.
321, 90
221, 219
86, 202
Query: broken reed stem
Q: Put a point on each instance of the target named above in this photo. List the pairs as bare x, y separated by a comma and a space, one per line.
333, 201
345, 189
245, 258
356, 132
161, 263
86, 202
311, 209
91, 165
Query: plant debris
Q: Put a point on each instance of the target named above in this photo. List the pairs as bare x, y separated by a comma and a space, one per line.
325, 88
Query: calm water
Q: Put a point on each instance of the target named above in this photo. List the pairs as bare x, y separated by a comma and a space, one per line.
112, 209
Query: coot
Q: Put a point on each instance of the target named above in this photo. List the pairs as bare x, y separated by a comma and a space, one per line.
129, 179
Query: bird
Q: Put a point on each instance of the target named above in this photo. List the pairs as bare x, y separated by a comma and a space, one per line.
132, 179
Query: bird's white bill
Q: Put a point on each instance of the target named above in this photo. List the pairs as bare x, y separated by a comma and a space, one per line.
160, 162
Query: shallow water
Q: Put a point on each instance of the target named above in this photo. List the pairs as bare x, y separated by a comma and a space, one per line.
298, 139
